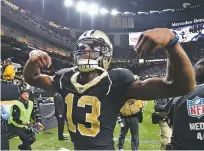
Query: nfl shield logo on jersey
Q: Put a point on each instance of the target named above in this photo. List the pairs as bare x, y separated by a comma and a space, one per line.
81, 90
196, 107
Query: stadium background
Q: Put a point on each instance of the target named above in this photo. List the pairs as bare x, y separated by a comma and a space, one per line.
35, 24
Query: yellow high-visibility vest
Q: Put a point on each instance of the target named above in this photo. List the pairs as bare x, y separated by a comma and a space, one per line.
25, 114
131, 107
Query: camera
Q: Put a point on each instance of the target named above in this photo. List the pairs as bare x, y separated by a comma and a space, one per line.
120, 122
155, 118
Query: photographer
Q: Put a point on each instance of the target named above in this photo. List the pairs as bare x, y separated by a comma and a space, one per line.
23, 113
160, 117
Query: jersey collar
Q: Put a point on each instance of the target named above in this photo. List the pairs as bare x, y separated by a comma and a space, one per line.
82, 88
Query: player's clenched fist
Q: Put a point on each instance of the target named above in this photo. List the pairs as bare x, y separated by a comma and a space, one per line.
40, 58
153, 39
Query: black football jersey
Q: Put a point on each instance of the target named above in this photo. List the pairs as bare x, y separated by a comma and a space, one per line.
92, 108
188, 121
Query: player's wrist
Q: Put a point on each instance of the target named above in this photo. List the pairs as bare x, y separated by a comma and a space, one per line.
174, 39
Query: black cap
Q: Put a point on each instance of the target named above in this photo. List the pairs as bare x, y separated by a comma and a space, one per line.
23, 91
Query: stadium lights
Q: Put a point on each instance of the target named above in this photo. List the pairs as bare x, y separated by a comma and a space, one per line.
68, 3
142, 13
151, 12
128, 14
114, 12
167, 10
81, 6
103, 11
93, 10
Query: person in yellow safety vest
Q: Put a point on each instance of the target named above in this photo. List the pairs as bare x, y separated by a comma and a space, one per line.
25, 113
131, 116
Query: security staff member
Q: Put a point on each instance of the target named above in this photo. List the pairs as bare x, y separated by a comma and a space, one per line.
131, 115
187, 116
22, 112
60, 113
165, 130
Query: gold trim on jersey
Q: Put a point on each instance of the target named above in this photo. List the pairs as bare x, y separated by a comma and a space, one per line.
82, 88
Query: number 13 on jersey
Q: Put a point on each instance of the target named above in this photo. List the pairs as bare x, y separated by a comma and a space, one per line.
90, 117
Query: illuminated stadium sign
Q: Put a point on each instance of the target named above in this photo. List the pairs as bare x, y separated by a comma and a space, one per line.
186, 23
184, 34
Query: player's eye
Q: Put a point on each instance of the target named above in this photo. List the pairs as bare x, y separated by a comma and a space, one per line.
81, 47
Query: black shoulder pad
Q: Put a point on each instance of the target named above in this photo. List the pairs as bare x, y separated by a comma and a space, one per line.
62, 71
124, 75
59, 75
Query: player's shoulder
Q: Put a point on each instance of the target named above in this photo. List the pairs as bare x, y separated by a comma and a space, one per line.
65, 73
121, 72
122, 75
65, 70
63, 76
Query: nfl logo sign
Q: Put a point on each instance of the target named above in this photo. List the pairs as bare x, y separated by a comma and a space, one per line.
196, 107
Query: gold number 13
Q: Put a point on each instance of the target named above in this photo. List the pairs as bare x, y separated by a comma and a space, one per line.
90, 117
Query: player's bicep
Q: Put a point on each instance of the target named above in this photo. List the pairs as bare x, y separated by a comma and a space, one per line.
44, 82
152, 88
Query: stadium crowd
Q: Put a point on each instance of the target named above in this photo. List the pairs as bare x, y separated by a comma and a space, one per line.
50, 28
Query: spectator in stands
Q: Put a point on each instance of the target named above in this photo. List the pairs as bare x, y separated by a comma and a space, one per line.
22, 112
8, 71
4, 121
60, 113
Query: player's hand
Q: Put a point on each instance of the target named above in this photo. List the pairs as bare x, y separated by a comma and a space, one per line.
153, 39
40, 58
27, 124
41, 126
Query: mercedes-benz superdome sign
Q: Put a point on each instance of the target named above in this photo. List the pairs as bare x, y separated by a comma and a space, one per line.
188, 22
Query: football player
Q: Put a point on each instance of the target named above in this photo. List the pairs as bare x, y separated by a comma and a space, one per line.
94, 96
186, 115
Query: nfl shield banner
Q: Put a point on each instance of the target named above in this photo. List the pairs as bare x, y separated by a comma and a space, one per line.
196, 107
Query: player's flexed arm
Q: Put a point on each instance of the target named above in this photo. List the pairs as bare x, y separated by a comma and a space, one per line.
180, 78
38, 59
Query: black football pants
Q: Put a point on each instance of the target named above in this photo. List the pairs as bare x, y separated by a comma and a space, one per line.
132, 123
24, 137
61, 123
4, 141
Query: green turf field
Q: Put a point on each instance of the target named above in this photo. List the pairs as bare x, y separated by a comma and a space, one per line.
149, 136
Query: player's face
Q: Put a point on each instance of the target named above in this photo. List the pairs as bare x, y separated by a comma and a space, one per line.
88, 52
25, 96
